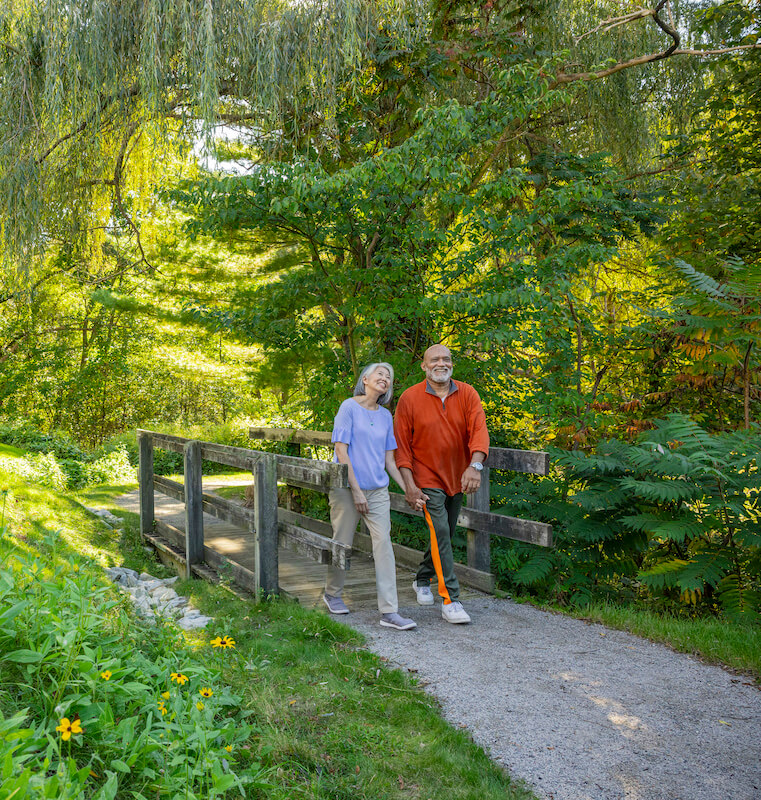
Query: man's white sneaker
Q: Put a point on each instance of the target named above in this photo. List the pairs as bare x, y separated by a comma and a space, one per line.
454, 612
424, 594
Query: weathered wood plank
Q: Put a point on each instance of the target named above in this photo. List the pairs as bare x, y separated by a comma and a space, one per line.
172, 534
145, 480
193, 504
265, 525
237, 572
319, 438
166, 442
169, 487
309, 543
303, 521
522, 530
533, 461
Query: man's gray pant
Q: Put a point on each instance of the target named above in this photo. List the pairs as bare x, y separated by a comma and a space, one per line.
441, 512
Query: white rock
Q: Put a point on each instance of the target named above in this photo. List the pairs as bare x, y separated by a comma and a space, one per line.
144, 576
193, 623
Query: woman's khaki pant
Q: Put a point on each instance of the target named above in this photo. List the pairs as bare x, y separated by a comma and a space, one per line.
344, 518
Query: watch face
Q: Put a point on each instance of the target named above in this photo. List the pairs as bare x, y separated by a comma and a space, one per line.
477, 466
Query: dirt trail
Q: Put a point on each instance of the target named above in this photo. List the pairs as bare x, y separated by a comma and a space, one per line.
582, 712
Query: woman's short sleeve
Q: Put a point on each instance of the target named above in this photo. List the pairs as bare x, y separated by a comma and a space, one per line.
342, 425
390, 438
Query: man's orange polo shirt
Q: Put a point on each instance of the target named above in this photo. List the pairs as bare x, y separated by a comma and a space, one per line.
436, 439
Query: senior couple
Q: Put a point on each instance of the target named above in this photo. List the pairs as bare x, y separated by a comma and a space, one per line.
434, 449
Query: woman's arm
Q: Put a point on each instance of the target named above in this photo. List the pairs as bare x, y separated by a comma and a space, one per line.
342, 454
393, 470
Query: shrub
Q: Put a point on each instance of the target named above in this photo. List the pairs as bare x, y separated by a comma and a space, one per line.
39, 468
103, 706
674, 516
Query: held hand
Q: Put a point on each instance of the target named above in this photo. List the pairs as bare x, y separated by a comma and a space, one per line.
415, 498
360, 502
471, 481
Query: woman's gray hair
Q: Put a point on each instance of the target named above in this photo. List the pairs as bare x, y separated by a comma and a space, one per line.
385, 398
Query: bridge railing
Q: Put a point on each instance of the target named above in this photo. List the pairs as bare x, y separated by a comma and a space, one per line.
476, 517
267, 524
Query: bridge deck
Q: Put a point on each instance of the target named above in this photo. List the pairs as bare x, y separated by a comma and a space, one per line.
299, 576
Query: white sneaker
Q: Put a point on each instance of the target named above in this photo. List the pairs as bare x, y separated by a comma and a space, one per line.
454, 612
424, 594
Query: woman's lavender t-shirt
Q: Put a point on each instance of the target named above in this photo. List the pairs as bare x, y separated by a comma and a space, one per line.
369, 434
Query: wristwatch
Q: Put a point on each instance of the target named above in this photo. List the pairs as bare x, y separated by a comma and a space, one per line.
477, 465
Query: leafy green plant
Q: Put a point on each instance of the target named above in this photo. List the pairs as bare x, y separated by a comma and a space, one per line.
674, 515
89, 713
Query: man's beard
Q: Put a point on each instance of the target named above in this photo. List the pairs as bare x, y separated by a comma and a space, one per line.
439, 375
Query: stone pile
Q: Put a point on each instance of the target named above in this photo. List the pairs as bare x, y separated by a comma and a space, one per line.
106, 516
153, 597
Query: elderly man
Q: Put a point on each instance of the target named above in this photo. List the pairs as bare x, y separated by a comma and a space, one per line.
442, 441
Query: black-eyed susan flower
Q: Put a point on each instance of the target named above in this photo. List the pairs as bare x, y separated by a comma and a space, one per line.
178, 677
106, 675
216, 641
66, 728
223, 641
205, 692
162, 707
166, 695
200, 706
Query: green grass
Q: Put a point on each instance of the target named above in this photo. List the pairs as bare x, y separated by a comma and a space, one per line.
10, 451
329, 719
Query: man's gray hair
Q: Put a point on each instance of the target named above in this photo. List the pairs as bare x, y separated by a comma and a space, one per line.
385, 398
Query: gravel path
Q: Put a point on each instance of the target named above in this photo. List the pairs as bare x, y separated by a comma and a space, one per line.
579, 711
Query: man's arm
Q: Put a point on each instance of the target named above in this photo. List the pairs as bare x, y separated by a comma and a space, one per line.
412, 493
478, 443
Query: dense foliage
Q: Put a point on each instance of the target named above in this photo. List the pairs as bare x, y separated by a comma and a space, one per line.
564, 193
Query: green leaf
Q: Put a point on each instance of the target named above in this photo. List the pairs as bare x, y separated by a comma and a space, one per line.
24, 656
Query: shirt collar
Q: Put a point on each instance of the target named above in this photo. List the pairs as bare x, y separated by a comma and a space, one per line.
452, 388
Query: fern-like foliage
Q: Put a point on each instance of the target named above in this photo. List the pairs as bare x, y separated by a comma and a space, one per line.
677, 514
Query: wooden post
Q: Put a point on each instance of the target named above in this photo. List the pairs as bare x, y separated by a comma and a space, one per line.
265, 525
145, 480
479, 549
193, 506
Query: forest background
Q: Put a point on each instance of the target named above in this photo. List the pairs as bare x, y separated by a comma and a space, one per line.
216, 214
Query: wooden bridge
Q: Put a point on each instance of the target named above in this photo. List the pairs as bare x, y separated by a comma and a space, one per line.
275, 549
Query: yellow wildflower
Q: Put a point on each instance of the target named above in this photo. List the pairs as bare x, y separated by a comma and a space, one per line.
179, 678
223, 641
229, 748
166, 695
205, 692
162, 707
106, 675
216, 641
200, 706
66, 728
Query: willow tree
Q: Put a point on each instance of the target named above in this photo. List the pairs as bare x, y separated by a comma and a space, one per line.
87, 83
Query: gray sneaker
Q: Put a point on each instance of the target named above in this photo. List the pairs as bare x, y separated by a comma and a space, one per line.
396, 621
454, 612
335, 604
424, 594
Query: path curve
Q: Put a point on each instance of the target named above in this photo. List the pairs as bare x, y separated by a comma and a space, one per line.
580, 711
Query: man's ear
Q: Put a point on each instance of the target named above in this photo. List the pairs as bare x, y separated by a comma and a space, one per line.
422, 365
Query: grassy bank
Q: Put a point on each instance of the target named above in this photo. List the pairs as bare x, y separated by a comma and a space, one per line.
296, 709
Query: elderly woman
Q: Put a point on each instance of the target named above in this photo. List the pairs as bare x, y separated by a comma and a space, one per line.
363, 434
